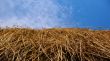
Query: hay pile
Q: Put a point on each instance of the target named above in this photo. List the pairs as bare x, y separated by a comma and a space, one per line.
54, 45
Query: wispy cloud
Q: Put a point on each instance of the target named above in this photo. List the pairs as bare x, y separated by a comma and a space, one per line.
33, 13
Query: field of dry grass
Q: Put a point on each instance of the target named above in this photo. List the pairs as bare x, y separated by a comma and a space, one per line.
54, 45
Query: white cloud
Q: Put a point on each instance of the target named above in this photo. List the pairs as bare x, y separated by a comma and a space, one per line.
33, 13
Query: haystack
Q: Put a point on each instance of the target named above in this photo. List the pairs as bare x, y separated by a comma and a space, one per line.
54, 45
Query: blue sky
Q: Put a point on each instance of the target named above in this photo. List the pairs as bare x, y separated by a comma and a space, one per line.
55, 13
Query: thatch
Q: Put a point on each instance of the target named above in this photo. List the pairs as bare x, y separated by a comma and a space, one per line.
54, 45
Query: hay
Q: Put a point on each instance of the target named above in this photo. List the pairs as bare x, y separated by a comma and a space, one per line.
54, 45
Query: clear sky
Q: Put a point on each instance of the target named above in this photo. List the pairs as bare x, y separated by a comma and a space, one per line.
55, 13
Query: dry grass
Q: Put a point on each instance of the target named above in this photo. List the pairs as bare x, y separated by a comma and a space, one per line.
54, 45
